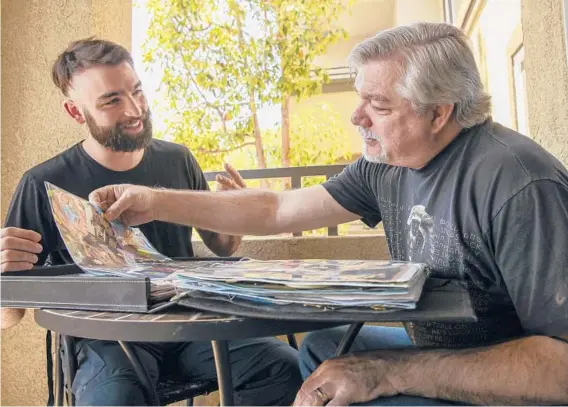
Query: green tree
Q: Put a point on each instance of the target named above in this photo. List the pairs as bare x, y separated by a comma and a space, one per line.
317, 137
305, 30
212, 74
223, 60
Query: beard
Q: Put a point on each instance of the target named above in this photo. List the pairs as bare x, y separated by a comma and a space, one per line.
117, 139
380, 158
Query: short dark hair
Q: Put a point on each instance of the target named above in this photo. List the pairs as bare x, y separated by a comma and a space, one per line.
83, 54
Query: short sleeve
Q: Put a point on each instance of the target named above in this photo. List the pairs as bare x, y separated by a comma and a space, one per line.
196, 174
29, 209
352, 190
530, 237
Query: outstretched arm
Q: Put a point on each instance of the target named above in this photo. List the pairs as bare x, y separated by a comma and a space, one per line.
222, 244
253, 212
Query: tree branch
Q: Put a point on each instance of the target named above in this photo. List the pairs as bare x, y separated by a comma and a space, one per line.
180, 26
226, 150
211, 105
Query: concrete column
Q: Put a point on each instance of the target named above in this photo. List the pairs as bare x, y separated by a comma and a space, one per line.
34, 128
547, 74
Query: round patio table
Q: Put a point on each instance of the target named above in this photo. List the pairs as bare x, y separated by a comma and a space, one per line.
173, 325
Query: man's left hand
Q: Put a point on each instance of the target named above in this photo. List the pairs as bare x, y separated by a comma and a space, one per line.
346, 380
233, 181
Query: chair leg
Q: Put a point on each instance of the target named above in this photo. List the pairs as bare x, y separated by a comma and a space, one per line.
292, 341
348, 338
59, 380
142, 373
189, 402
69, 348
223, 368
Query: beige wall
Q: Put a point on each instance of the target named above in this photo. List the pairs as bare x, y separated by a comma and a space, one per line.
411, 11
363, 19
336, 247
34, 128
547, 74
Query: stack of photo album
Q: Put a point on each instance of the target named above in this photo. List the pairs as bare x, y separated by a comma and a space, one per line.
100, 247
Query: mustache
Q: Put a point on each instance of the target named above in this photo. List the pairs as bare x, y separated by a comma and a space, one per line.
143, 117
367, 133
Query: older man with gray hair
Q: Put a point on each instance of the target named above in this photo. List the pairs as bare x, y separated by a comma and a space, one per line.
477, 202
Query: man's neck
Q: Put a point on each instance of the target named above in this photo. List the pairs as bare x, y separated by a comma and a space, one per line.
113, 160
436, 145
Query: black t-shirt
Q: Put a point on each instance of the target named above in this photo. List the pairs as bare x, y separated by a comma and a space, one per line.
164, 164
490, 210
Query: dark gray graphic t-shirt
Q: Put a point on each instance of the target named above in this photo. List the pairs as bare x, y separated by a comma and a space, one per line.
491, 210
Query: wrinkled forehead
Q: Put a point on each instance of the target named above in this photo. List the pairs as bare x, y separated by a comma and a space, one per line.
90, 83
382, 76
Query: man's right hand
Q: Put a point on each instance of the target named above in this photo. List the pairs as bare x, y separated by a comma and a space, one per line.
19, 249
133, 204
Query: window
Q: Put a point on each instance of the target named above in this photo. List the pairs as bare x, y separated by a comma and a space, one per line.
455, 11
463, 13
520, 91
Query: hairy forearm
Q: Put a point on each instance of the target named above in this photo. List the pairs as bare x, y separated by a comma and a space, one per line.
231, 212
532, 370
11, 316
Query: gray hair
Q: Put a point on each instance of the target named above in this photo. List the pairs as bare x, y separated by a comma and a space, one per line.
437, 67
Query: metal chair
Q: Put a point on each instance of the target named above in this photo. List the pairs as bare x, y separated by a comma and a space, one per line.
168, 389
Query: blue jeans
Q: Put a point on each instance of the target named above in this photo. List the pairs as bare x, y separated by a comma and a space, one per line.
264, 370
321, 345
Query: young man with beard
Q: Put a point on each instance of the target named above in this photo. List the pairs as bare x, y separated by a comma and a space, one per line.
477, 202
102, 90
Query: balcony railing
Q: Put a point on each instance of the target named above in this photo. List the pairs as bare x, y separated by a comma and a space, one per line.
341, 73
341, 79
295, 174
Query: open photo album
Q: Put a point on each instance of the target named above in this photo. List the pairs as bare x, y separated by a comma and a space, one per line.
100, 247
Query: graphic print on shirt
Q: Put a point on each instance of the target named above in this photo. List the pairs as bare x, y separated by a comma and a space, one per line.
420, 235
426, 233
414, 233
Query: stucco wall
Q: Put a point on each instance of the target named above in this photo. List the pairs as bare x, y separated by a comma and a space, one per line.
336, 247
34, 128
547, 74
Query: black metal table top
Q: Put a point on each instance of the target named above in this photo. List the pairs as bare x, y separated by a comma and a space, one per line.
174, 325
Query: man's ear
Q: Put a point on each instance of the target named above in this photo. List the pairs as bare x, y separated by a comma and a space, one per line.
73, 111
441, 116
